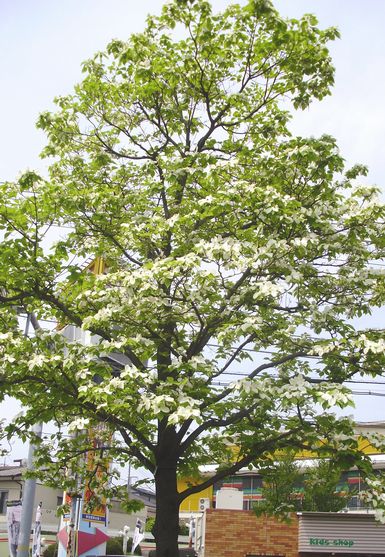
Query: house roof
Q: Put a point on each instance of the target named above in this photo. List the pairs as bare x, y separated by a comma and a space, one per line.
12, 471
145, 495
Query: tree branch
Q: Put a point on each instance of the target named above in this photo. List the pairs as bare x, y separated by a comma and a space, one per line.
255, 451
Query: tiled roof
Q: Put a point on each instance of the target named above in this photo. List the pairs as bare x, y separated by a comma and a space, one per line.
7, 471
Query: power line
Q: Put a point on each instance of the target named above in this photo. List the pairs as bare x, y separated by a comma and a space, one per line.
355, 393
368, 393
237, 373
355, 381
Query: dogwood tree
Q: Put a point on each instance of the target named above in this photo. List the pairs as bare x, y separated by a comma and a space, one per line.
220, 231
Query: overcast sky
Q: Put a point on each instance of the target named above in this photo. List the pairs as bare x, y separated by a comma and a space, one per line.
43, 42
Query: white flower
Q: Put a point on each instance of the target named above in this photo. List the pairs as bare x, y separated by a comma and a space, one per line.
78, 424
83, 374
184, 413
379, 514
157, 404
116, 383
341, 438
206, 200
245, 385
296, 388
376, 347
267, 288
129, 371
36, 361
300, 241
331, 398
161, 403
84, 388
321, 349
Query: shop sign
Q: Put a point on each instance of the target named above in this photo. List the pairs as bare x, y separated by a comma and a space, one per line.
337, 542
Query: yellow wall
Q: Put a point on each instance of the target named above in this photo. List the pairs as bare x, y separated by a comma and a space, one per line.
366, 447
97, 266
363, 445
191, 503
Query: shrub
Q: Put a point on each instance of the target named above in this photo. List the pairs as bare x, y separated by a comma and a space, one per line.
115, 546
150, 522
138, 550
184, 529
51, 550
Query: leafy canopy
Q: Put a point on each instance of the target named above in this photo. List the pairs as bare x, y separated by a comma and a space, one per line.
173, 161
290, 485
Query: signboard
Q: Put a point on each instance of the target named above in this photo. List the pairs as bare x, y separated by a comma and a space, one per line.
338, 542
36, 542
339, 533
89, 515
99, 469
13, 525
138, 535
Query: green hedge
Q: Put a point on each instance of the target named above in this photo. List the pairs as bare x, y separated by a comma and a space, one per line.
115, 546
51, 550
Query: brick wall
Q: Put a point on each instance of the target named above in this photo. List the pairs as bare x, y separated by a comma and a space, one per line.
237, 533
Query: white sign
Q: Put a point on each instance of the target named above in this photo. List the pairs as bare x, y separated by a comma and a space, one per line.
13, 525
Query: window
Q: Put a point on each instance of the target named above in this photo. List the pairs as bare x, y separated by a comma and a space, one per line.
3, 501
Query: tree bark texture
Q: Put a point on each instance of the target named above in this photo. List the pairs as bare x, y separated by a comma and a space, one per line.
167, 511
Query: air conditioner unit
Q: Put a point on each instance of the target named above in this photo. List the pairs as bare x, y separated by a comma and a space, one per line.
204, 503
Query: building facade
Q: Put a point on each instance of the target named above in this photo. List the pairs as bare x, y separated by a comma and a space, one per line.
11, 489
250, 482
231, 533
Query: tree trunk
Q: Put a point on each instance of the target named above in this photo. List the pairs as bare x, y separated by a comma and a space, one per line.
167, 512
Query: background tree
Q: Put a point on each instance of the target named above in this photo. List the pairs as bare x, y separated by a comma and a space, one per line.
282, 480
290, 486
221, 232
323, 491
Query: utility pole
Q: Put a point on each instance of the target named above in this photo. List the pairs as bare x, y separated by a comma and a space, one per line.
129, 481
30, 483
28, 501
73, 526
